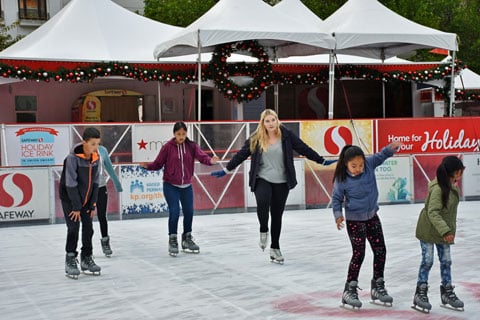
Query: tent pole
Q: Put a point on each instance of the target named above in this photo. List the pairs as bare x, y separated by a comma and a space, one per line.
199, 90
275, 88
452, 87
159, 94
331, 84
383, 98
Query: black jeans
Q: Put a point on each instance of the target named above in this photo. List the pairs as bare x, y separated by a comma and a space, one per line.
271, 197
102, 202
73, 229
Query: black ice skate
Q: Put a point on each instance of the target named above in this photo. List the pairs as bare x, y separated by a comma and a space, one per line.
87, 264
450, 299
276, 256
350, 296
263, 240
379, 294
173, 245
107, 251
420, 299
71, 267
188, 245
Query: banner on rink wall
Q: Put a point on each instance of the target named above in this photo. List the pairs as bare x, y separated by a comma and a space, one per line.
35, 145
436, 135
471, 176
328, 137
393, 180
142, 191
24, 195
148, 139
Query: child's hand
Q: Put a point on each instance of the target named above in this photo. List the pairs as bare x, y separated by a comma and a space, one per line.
214, 160
74, 216
395, 146
340, 224
450, 238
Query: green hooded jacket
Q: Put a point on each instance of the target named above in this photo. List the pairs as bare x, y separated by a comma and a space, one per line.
435, 221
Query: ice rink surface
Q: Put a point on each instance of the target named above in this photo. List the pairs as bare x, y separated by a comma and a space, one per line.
231, 278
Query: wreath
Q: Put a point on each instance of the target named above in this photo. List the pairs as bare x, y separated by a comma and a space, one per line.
222, 72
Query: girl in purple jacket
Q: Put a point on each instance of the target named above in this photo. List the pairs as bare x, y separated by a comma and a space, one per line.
177, 158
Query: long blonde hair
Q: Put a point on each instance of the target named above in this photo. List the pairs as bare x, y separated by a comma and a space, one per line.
260, 136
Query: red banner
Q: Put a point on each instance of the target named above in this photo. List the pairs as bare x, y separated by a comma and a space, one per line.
432, 135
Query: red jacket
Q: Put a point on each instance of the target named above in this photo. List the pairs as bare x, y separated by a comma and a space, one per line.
178, 161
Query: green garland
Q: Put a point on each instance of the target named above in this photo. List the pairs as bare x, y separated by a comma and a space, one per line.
263, 77
221, 71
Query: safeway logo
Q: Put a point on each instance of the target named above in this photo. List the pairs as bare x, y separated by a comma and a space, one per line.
16, 190
336, 138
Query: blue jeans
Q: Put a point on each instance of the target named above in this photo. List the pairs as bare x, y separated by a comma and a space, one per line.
443, 251
174, 196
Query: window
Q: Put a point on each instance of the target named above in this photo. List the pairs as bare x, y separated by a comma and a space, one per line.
26, 108
32, 9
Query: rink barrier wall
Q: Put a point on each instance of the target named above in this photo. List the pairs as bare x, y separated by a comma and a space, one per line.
29, 191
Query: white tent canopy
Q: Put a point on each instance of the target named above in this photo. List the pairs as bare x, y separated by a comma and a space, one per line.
92, 30
233, 20
368, 28
467, 80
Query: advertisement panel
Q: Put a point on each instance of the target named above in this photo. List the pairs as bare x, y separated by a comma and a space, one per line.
436, 135
148, 139
394, 181
23, 194
328, 137
32, 145
471, 176
142, 191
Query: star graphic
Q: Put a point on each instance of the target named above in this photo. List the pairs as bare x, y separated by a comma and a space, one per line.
142, 145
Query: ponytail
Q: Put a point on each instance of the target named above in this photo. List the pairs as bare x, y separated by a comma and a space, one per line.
446, 170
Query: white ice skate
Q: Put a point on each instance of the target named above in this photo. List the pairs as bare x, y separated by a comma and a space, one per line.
276, 256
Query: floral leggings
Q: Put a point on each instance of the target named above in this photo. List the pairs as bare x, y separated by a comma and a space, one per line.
371, 230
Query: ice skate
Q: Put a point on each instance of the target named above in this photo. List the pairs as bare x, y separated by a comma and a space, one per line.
350, 296
450, 299
263, 240
379, 294
107, 251
188, 245
420, 300
71, 267
172, 245
89, 265
276, 256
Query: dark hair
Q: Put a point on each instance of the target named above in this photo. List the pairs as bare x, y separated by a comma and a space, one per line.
348, 153
181, 125
446, 170
90, 133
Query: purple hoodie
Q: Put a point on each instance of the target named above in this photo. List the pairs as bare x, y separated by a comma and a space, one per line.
177, 161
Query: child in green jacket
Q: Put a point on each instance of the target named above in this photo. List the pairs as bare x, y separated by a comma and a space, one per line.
436, 227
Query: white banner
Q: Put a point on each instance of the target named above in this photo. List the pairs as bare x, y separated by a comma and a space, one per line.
24, 195
148, 139
35, 145
142, 191
471, 176
393, 180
